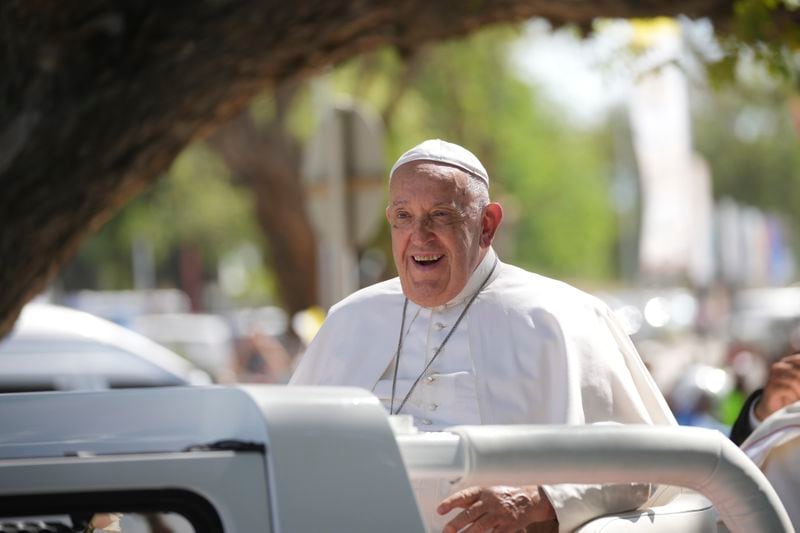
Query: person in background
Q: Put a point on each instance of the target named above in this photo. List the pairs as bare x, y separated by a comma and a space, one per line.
782, 388
462, 338
261, 358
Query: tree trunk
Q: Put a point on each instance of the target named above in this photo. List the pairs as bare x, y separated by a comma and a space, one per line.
268, 162
99, 96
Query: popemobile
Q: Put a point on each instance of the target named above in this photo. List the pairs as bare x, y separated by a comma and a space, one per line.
303, 459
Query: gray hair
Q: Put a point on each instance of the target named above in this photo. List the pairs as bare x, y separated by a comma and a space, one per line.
479, 190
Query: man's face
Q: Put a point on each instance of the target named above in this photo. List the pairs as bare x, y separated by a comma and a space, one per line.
438, 234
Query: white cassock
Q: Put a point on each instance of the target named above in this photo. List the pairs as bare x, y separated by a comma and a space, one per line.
530, 350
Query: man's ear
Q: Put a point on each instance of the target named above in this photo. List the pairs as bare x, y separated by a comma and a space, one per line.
492, 216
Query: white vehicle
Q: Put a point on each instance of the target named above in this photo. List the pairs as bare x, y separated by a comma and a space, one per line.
204, 339
57, 348
301, 459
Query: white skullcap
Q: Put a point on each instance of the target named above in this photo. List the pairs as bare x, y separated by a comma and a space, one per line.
440, 151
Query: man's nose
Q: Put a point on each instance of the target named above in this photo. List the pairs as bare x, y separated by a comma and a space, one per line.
421, 229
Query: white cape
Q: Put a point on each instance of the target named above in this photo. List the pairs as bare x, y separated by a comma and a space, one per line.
543, 351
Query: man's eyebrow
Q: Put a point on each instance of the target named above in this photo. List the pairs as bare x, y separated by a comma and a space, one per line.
444, 204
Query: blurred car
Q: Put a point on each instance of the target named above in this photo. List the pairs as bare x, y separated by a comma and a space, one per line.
57, 348
662, 323
653, 313
204, 339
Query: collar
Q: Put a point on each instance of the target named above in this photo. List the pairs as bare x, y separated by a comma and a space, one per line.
475, 280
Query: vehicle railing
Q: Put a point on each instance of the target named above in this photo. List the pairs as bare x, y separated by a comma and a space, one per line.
699, 459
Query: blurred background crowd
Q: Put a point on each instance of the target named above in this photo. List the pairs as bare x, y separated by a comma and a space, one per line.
651, 163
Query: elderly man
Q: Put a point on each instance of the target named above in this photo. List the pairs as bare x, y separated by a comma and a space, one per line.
462, 338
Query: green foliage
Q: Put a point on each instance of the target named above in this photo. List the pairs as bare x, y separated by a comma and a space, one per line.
753, 150
723, 72
195, 204
761, 21
766, 29
200, 205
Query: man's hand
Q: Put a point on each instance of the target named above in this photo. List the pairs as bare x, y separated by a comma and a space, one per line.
782, 388
499, 509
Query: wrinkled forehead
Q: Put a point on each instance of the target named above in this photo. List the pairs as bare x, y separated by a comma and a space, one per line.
425, 186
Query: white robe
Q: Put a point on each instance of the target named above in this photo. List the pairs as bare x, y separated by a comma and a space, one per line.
543, 353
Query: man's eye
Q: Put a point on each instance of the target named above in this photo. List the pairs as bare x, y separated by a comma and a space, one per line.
401, 214
443, 218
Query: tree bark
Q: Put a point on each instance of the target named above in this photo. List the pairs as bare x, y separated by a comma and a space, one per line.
99, 96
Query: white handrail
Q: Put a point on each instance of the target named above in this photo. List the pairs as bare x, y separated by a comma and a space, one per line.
699, 459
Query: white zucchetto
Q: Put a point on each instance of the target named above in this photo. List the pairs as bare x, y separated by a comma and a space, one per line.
440, 151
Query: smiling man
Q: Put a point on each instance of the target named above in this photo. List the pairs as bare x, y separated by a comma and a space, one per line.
442, 226
461, 338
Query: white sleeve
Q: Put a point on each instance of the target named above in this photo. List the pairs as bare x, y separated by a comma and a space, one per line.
577, 504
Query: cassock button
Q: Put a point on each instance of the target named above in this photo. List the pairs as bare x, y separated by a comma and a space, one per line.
440, 325
433, 407
426, 422
430, 379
